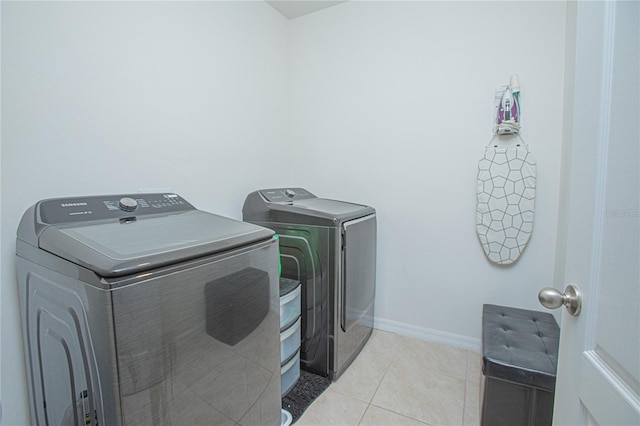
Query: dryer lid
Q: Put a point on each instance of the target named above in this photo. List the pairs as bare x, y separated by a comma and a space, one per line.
315, 211
122, 246
299, 206
332, 208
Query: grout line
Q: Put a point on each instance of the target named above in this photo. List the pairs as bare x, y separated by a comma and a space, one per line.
381, 379
363, 414
464, 403
415, 420
466, 388
403, 415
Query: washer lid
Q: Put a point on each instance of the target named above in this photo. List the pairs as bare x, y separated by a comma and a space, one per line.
122, 248
115, 235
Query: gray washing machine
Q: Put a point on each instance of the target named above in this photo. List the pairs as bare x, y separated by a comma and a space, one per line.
142, 310
330, 247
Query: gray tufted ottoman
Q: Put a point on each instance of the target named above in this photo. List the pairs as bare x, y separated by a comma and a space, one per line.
519, 358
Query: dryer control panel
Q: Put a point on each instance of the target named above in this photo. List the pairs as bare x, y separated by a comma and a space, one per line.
284, 195
80, 209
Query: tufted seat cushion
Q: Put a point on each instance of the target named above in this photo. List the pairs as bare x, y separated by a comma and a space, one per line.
520, 346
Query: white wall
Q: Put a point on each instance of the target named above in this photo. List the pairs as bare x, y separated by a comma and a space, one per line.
392, 105
112, 97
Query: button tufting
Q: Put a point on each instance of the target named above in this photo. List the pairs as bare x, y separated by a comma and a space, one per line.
509, 331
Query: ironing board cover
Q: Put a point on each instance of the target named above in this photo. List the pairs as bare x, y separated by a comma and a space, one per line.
506, 190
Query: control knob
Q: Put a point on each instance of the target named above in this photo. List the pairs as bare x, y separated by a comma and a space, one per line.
290, 193
127, 204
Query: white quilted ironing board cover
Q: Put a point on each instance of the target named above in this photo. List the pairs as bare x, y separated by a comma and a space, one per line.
506, 191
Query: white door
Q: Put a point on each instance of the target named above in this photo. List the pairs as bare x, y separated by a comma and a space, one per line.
599, 363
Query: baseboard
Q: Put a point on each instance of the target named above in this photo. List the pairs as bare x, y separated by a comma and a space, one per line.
428, 335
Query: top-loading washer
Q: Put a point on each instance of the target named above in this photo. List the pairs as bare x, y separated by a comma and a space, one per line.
330, 247
140, 309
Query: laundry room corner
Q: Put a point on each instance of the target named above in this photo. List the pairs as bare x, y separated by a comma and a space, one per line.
405, 92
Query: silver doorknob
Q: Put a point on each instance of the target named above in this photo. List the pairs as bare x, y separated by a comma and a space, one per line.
553, 299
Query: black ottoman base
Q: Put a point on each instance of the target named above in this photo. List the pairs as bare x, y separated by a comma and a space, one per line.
511, 404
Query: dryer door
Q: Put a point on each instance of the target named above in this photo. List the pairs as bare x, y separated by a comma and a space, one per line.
359, 272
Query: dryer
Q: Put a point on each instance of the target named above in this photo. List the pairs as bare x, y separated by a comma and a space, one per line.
330, 247
141, 309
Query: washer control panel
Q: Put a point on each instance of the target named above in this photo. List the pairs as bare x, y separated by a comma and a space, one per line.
80, 209
285, 195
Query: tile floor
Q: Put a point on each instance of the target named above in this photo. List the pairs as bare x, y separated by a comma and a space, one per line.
398, 380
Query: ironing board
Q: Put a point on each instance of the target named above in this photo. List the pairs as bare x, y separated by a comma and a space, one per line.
505, 200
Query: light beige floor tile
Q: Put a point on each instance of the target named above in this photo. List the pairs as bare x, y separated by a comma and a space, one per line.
376, 416
363, 377
422, 395
332, 408
435, 357
384, 345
